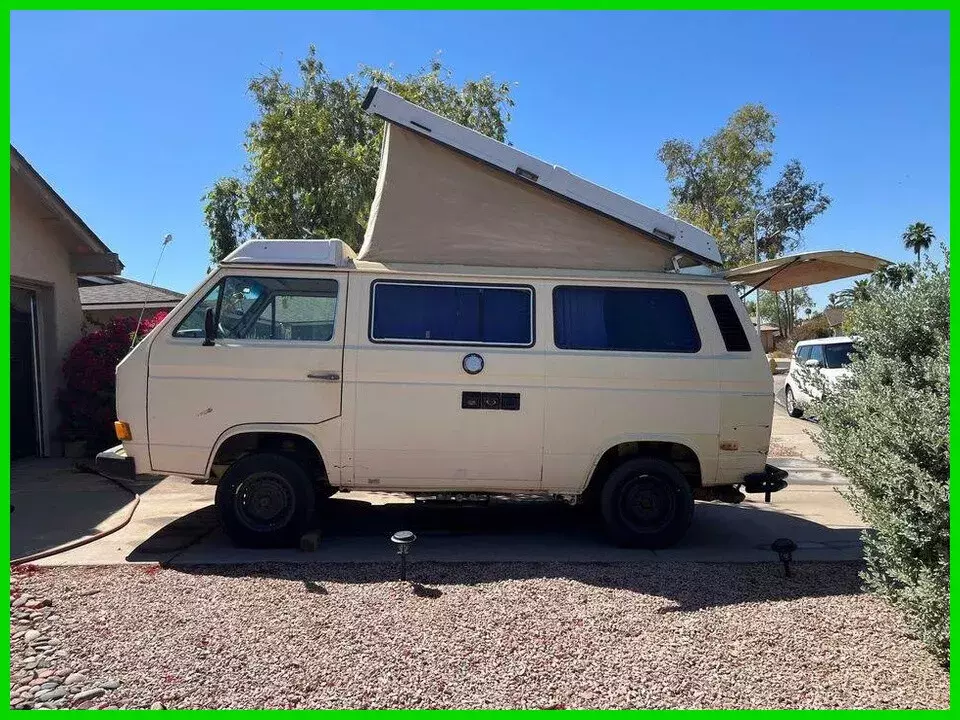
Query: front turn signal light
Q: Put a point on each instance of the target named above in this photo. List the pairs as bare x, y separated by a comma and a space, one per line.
123, 430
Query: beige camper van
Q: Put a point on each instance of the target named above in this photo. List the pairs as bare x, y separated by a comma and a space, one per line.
506, 328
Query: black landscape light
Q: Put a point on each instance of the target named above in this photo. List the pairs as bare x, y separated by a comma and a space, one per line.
403, 539
784, 547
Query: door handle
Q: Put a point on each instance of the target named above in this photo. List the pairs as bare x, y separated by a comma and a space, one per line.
325, 376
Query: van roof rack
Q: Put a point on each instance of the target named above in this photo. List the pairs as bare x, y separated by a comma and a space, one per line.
659, 227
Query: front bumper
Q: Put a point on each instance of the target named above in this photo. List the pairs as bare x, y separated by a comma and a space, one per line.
771, 480
115, 463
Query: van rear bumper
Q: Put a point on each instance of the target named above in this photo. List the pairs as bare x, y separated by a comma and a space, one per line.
115, 463
771, 480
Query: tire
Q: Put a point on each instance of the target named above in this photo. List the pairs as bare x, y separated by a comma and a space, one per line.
265, 500
793, 409
646, 503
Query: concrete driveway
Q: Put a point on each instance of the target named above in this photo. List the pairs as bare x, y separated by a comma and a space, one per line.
53, 504
176, 524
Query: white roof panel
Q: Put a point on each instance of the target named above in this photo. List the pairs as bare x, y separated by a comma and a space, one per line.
685, 237
328, 253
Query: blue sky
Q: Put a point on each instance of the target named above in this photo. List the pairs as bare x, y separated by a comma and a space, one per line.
132, 116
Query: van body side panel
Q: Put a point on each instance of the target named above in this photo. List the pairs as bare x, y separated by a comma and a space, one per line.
598, 399
325, 437
355, 329
746, 392
196, 393
411, 429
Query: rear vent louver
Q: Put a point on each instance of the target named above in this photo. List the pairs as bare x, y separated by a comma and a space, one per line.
730, 326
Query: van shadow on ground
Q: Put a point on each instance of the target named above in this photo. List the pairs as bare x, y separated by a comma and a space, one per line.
685, 586
475, 545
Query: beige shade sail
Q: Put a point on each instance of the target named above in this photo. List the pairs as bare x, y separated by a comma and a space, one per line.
810, 268
436, 205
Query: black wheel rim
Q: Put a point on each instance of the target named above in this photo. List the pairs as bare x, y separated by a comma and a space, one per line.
647, 503
264, 502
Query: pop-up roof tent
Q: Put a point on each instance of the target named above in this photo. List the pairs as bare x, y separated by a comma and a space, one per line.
449, 195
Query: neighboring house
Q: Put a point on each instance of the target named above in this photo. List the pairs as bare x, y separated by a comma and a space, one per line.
104, 297
50, 247
835, 317
769, 334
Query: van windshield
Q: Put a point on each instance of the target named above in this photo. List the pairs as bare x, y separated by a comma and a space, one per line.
837, 355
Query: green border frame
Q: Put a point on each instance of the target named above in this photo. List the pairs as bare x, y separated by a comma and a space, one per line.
771, 5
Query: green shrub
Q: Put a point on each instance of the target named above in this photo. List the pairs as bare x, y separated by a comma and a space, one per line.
886, 428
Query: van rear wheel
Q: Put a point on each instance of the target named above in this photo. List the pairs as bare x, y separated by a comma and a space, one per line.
646, 503
265, 500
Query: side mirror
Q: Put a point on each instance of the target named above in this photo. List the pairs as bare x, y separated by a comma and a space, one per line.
209, 328
812, 363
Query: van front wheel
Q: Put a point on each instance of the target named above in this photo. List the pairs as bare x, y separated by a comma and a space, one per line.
646, 503
265, 500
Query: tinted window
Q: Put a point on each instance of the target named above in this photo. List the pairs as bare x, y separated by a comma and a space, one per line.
837, 355
816, 353
803, 354
731, 329
627, 319
459, 314
192, 325
267, 308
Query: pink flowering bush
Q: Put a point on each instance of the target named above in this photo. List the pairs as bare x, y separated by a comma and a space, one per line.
87, 399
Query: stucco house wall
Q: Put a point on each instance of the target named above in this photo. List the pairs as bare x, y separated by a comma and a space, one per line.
49, 247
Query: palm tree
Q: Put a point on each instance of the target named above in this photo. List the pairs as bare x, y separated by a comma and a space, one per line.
842, 299
860, 291
918, 237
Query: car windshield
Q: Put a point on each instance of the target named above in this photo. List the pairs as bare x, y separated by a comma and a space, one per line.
837, 355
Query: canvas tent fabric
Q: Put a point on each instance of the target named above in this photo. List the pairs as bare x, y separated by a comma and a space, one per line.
809, 268
436, 205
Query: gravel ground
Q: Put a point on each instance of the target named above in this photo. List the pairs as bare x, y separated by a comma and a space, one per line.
471, 636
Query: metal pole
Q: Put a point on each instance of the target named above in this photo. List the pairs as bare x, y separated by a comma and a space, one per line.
167, 239
756, 255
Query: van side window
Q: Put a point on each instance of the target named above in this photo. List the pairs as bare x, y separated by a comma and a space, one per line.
192, 325
461, 314
731, 329
803, 354
625, 319
267, 308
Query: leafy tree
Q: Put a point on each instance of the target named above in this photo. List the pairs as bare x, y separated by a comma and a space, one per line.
783, 309
886, 428
313, 153
894, 276
718, 186
918, 237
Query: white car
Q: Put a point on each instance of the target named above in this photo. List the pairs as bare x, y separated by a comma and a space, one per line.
828, 357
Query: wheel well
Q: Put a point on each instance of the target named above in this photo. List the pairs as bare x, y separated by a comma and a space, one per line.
681, 456
294, 446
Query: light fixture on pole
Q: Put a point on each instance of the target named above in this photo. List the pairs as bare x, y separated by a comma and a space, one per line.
784, 548
403, 539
